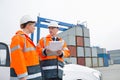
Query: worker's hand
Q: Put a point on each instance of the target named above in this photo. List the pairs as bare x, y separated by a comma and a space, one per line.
59, 52
48, 51
24, 78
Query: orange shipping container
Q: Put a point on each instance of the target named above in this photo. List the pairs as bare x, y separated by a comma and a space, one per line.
79, 41
72, 50
81, 61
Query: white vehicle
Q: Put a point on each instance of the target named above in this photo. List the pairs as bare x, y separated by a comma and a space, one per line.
4, 62
71, 71
78, 72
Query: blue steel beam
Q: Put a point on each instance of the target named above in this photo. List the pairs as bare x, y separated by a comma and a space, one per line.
38, 29
46, 26
39, 25
59, 22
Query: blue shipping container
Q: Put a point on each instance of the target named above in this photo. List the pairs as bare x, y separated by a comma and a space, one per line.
105, 59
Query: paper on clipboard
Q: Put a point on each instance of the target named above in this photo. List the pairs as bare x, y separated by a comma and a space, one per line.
55, 45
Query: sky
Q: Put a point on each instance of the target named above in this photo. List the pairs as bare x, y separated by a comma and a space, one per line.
102, 17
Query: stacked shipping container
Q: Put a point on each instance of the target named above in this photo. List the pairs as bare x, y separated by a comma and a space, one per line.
78, 41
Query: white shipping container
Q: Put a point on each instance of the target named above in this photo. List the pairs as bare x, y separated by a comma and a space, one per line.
88, 62
87, 42
95, 62
75, 31
94, 51
78, 31
69, 39
100, 60
87, 52
67, 60
86, 32
80, 52
73, 60
101, 50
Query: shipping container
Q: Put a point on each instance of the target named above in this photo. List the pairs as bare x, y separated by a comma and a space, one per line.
105, 59
87, 42
101, 50
73, 52
79, 41
88, 61
69, 39
80, 52
81, 61
94, 51
94, 61
86, 32
75, 31
67, 60
73, 60
79, 31
87, 52
100, 61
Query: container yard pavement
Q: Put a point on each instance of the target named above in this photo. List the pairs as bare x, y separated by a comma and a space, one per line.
110, 73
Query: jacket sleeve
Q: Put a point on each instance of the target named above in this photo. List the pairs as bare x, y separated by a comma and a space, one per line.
40, 47
17, 57
66, 52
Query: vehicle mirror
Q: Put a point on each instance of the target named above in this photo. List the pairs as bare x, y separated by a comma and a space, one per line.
4, 55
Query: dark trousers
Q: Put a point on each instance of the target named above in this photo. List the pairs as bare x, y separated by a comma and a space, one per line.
54, 79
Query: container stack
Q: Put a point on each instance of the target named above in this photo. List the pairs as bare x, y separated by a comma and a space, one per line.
78, 42
103, 57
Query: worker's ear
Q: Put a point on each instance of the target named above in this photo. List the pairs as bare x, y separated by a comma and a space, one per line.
4, 55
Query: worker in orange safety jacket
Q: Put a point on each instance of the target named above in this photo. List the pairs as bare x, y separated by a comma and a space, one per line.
52, 61
24, 64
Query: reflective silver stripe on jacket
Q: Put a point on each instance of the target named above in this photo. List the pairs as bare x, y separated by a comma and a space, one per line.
23, 75
15, 48
29, 49
34, 75
52, 67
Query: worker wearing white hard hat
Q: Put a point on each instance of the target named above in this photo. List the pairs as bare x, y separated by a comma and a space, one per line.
52, 61
24, 57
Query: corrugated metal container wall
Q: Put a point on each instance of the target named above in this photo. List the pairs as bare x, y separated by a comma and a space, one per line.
79, 41
86, 32
73, 52
95, 62
87, 42
101, 50
94, 51
78, 31
87, 52
81, 61
105, 59
100, 60
67, 60
73, 60
106, 64
88, 62
75, 31
69, 39
80, 52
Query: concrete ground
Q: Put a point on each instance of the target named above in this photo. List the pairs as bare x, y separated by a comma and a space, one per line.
110, 73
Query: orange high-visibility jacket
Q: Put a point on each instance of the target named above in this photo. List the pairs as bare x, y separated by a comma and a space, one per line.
43, 42
23, 54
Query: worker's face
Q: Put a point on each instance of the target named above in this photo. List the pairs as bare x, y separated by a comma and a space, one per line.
53, 30
31, 27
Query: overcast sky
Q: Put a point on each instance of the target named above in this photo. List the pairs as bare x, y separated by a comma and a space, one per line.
102, 16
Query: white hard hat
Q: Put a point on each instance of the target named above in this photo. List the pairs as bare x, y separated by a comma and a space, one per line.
25, 19
53, 24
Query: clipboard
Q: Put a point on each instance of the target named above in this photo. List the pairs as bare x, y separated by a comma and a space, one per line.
55, 45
